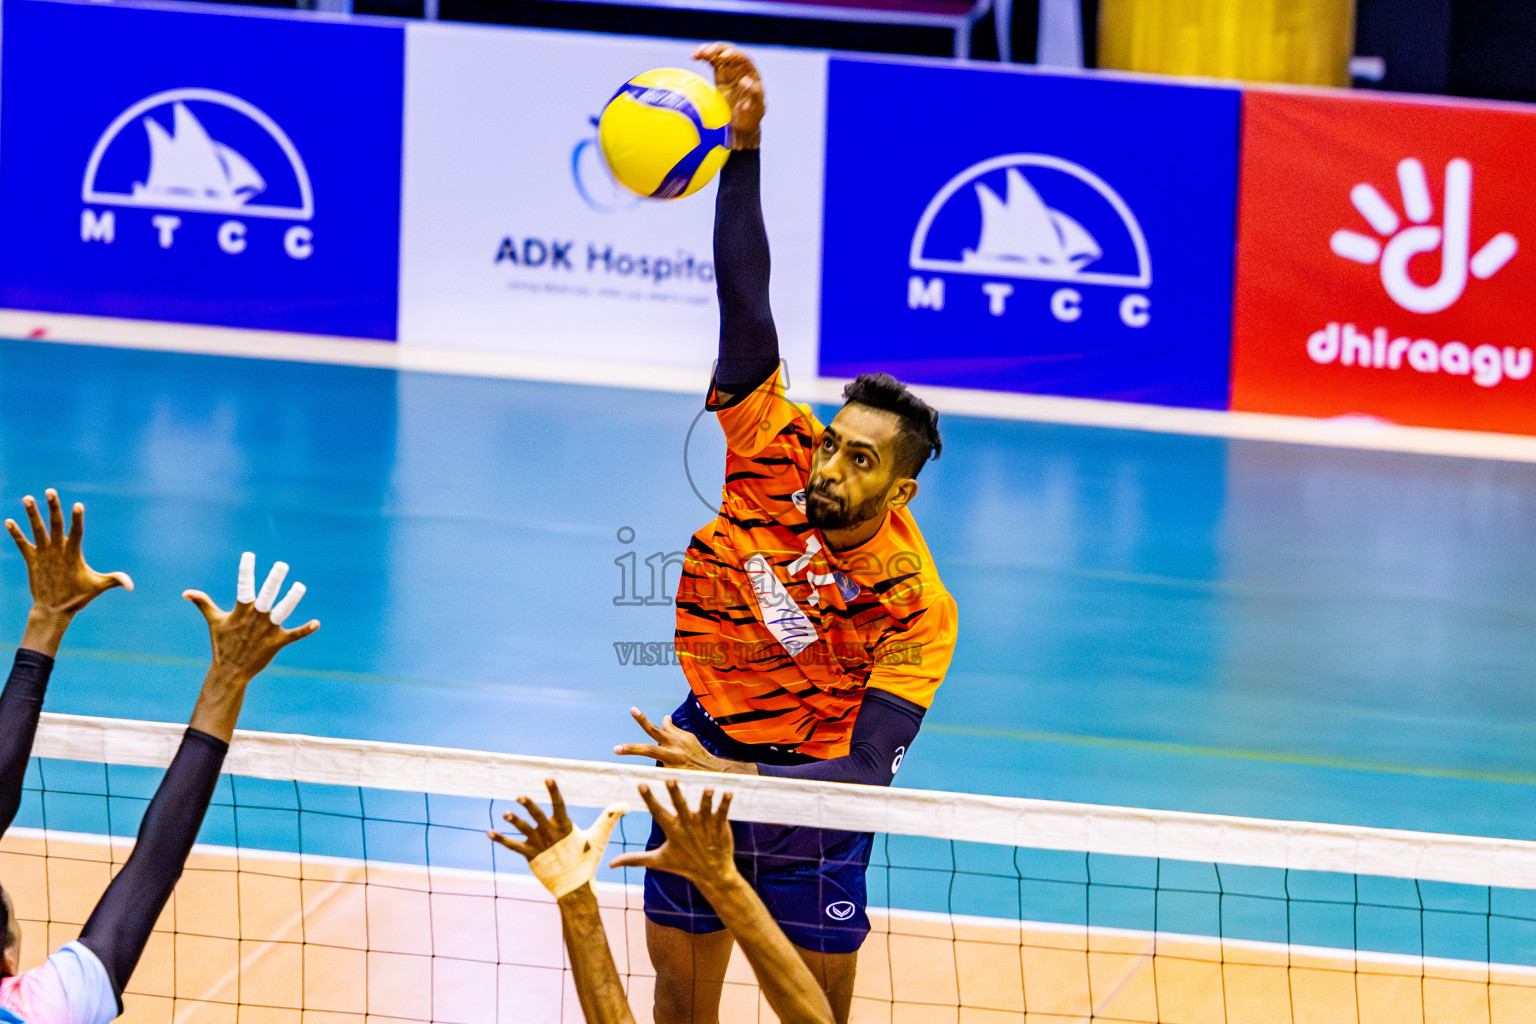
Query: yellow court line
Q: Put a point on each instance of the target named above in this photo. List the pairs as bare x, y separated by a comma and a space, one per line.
1233, 754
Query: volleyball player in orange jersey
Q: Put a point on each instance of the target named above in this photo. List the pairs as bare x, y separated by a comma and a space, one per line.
811, 623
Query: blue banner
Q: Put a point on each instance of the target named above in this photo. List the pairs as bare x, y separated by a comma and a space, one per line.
1027, 232
239, 170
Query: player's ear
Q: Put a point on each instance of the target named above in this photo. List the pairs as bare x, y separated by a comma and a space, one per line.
901, 493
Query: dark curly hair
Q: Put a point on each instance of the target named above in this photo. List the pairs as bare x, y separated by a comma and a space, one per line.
918, 439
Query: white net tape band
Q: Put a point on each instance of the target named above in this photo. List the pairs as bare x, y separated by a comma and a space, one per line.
1004, 821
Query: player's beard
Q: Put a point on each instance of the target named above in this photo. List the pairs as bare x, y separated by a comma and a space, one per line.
828, 512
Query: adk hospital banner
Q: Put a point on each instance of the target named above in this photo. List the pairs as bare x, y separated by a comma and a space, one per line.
1310, 252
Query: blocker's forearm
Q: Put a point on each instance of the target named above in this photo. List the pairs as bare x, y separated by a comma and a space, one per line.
785, 980
597, 979
20, 706
749, 342
119, 927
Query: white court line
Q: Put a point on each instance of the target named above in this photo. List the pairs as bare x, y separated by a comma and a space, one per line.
1343, 432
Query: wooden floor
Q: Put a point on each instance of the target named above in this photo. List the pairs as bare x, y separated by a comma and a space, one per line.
258, 938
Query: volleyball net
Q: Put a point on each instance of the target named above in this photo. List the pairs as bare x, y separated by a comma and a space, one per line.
341, 881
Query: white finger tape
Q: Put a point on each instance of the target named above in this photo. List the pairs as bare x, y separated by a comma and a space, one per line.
245, 586
270, 588
572, 862
285, 607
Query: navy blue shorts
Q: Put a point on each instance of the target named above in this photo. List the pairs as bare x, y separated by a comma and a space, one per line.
811, 879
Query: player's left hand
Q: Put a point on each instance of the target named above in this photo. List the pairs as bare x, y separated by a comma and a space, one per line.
678, 748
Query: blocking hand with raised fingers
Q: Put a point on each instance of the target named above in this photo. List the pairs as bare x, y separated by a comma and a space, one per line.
246, 638
562, 856
699, 844
61, 581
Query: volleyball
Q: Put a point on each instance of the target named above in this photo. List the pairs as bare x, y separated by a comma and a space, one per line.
664, 133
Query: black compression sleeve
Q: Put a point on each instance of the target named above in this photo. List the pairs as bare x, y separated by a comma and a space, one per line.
749, 343
20, 705
120, 925
886, 726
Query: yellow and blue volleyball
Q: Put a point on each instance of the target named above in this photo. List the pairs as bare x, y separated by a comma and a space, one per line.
665, 133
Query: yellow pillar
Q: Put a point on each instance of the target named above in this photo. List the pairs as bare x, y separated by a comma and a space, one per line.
1302, 41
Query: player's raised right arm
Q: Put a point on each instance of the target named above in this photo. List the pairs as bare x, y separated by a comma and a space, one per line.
699, 846
749, 343
565, 859
244, 641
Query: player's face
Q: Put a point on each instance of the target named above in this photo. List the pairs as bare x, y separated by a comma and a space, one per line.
853, 471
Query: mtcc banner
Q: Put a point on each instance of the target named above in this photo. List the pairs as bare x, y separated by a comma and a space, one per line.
1029, 232
204, 184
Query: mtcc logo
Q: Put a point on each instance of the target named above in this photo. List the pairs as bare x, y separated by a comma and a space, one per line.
1453, 237
1031, 217
203, 152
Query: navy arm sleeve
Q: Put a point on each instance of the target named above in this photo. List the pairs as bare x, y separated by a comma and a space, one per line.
119, 927
20, 705
886, 726
749, 343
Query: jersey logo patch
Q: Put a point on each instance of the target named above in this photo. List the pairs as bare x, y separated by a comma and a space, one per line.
783, 617
842, 910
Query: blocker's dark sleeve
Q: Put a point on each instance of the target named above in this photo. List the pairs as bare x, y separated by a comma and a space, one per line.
20, 704
886, 726
749, 343
119, 927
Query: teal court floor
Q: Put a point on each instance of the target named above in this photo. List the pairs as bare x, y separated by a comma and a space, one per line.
1146, 619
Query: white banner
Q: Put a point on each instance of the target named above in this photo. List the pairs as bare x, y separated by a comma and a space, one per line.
515, 239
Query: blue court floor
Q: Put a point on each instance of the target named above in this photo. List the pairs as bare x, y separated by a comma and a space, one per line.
1146, 619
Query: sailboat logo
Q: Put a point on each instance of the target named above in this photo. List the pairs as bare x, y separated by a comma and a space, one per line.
1021, 236
191, 170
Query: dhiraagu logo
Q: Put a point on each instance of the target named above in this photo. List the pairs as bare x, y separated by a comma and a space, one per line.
1031, 217
1452, 236
196, 153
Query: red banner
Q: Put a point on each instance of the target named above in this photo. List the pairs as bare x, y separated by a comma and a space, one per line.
1386, 261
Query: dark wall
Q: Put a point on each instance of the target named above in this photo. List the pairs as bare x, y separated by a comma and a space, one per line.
1493, 49
1412, 36
1483, 48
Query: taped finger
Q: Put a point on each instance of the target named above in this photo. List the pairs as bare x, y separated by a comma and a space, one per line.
285, 607
270, 588
245, 585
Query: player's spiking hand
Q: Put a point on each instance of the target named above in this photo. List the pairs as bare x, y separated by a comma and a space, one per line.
61, 581
738, 81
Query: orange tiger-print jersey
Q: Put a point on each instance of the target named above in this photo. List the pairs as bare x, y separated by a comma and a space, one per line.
778, 636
